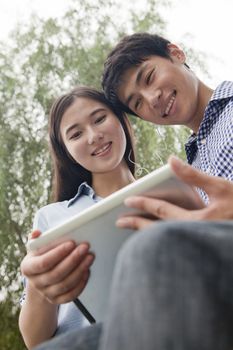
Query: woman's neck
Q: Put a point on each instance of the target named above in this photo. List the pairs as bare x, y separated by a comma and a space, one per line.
106, 183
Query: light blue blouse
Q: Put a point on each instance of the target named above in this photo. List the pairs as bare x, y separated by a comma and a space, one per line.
69, 316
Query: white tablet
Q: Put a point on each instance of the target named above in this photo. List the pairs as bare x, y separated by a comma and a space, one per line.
96, 225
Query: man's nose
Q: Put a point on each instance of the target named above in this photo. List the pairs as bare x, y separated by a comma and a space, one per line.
152, 97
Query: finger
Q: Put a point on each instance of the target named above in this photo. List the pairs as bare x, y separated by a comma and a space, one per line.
214, 211
73, 293
38, 264
34, 234
158, 208
74, 281
133, 222
77, 261
210, 184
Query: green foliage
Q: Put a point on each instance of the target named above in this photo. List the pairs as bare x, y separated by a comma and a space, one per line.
10, 337
41, 60
154, 144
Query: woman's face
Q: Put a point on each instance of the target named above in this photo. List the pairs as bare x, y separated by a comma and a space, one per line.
93, 135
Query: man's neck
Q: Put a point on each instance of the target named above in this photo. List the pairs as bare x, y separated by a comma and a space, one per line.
204, 96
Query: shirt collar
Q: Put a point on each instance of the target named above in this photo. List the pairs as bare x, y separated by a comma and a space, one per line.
83, 189
224, 90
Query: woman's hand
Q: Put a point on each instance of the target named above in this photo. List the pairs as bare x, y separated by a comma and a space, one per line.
59, 274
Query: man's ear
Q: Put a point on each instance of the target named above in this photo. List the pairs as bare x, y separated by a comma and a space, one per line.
176, 53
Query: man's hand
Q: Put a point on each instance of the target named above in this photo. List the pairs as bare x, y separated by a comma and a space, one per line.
219, 190
59, 274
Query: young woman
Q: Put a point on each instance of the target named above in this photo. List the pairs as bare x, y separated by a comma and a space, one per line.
93, 156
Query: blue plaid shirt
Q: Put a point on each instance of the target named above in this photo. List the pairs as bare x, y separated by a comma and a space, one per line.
210, 150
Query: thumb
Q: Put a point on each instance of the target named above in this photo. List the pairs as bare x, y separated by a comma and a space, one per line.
34, 234
193, 176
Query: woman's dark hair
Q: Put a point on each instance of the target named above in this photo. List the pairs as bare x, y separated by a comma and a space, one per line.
67, 173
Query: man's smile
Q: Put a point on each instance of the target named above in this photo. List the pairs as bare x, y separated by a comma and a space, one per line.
169, 104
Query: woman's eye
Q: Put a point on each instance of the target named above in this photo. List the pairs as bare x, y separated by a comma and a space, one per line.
76, 135
100, 119
149, 77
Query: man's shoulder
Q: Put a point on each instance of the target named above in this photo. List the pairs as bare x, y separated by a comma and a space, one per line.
223, 90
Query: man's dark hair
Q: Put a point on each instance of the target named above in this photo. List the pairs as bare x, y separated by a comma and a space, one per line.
130, 51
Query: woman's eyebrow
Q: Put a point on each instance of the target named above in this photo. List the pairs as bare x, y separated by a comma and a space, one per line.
70, 128
92, 114
99, 109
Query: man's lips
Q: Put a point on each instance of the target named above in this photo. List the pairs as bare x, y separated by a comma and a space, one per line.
102, 149
169, 104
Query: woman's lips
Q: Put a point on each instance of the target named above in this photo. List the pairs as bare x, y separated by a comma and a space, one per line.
102, 149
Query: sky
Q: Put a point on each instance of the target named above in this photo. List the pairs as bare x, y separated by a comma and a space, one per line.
206, 24
209, 25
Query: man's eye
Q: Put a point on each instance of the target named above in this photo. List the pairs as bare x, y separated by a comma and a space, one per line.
137, 103
100, 119
149, 77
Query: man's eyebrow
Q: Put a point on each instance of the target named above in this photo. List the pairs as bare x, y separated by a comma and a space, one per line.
140, 73
127, 102
137, 82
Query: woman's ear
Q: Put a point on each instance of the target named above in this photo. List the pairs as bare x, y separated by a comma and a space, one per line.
176, 53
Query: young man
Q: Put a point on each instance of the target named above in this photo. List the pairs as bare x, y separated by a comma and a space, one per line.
172, 284
146, 75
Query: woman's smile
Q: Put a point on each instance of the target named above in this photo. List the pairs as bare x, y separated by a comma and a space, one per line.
103, 150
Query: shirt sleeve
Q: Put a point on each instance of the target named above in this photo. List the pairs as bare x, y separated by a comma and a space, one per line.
39, 223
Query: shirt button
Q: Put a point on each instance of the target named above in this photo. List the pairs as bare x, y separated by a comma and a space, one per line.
203, 141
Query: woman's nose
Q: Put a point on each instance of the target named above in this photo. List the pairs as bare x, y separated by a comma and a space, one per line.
94, 136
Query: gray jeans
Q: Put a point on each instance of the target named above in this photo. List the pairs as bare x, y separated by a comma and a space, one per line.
172, 290
84, 339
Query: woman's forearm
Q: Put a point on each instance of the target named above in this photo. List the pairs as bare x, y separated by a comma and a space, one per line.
38, 318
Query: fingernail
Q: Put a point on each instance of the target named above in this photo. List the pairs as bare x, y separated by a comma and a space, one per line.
128, 201
90, 259
69, 245
83, 249
121, 222
176, 162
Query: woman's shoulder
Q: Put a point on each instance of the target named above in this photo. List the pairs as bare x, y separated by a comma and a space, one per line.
52, 206
55, 213
50, 215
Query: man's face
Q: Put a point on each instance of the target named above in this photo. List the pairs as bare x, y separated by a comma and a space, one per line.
162, 91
